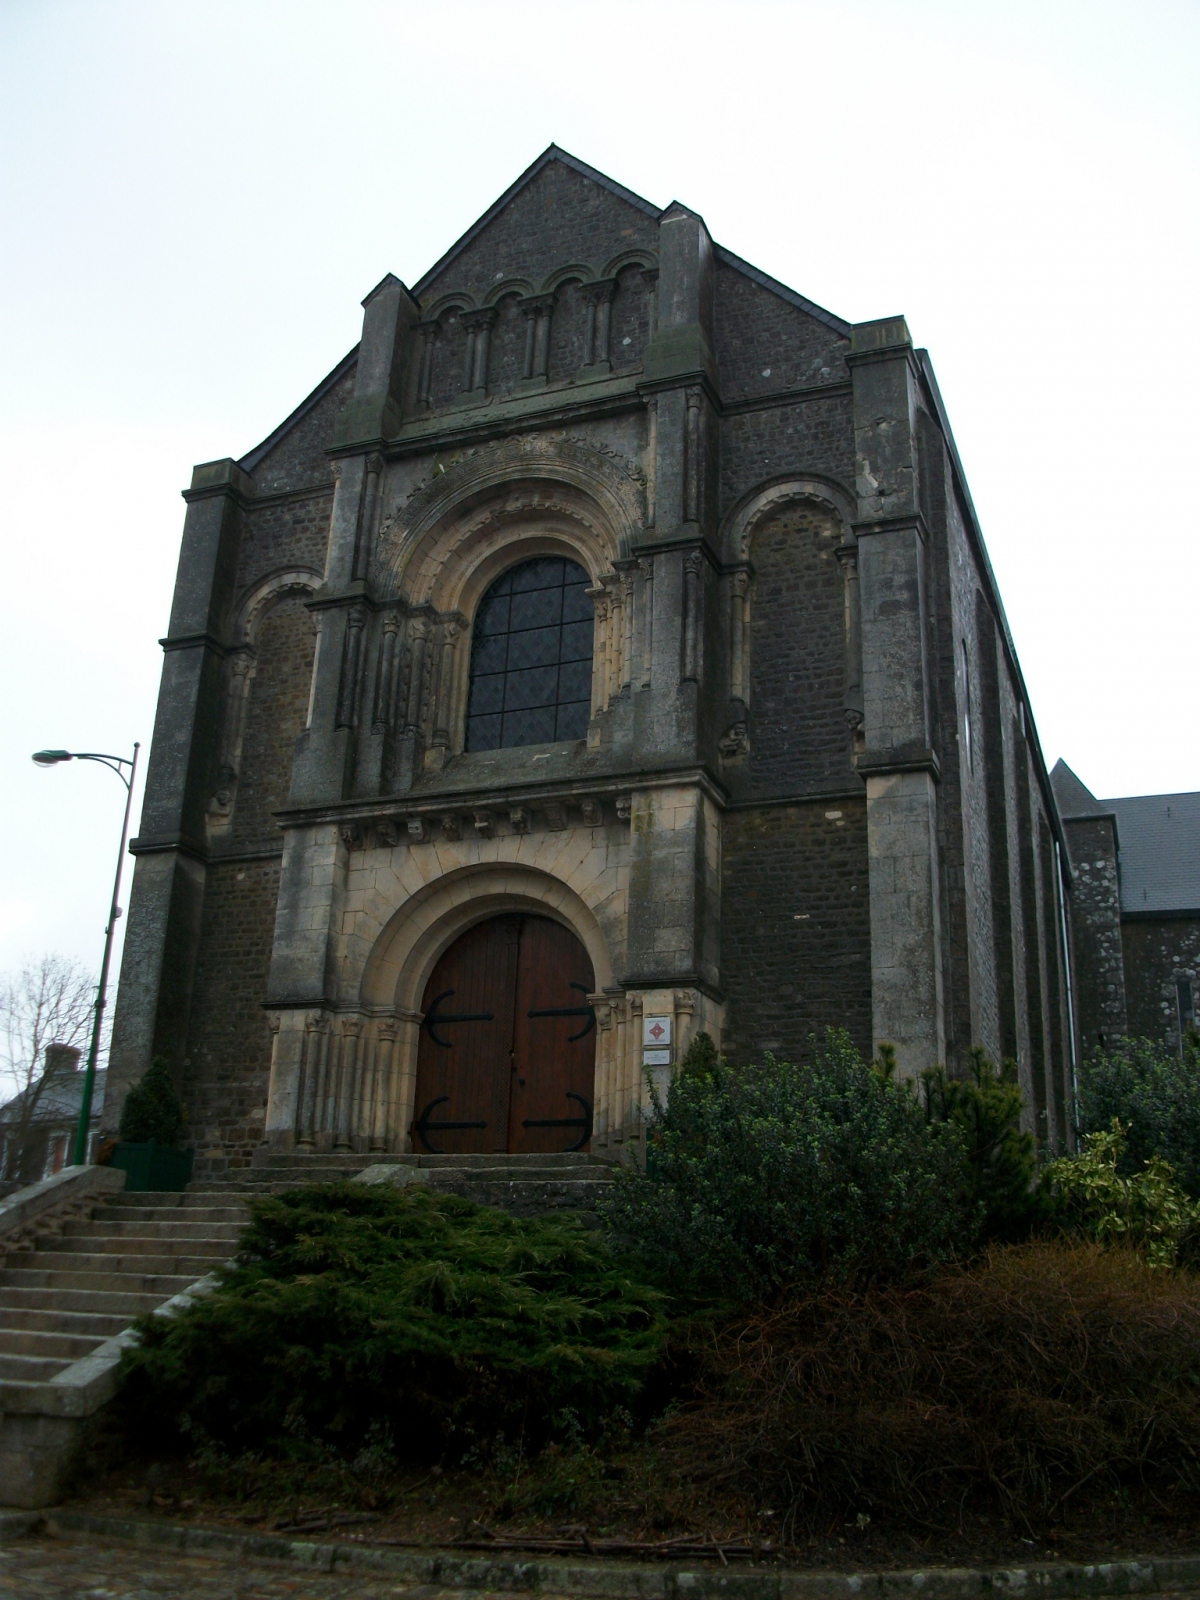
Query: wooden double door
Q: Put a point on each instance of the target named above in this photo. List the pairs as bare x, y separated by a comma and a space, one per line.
508, 1043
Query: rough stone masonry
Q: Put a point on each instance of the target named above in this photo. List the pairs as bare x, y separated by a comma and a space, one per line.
607, 583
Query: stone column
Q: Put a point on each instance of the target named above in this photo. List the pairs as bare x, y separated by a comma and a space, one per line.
896, 760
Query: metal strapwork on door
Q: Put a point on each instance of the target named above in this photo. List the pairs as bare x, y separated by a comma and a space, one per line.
423, 1127
435, 1019
568, 1011
584, 1123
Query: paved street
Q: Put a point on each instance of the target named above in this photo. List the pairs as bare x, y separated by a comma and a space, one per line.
79, 1568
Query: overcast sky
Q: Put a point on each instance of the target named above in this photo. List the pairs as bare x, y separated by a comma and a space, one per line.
196, 196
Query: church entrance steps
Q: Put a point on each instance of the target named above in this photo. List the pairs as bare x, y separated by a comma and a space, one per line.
89, 1265
528, 1184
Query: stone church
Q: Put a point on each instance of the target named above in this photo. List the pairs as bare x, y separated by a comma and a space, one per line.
605, 650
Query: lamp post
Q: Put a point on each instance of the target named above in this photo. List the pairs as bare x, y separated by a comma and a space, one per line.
51, 758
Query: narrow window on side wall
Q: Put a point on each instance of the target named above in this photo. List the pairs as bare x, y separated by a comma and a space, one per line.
1186, 1001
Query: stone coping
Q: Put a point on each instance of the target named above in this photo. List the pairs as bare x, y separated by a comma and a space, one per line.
38, 1203
615, 1579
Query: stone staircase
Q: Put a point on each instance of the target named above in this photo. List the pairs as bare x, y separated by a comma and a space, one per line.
76, 1289
83, 1261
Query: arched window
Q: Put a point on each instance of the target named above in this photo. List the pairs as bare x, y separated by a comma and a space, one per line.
531, 657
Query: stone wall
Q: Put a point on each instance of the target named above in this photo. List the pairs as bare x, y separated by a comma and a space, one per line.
228, 1063
1096, 919
795, 928
1158, 950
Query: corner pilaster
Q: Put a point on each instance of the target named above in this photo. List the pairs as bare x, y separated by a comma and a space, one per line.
897, 761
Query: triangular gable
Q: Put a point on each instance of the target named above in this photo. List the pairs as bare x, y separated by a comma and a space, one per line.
551, 153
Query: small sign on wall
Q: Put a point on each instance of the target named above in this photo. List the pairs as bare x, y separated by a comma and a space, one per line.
656, 1041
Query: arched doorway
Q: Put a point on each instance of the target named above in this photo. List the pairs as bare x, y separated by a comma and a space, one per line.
506, 1059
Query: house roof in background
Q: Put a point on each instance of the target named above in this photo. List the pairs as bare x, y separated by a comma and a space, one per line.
1159, 851
59, 1100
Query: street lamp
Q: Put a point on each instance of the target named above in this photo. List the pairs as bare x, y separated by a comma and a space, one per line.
51, 758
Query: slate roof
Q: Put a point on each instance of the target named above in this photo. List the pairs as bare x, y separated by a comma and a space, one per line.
1159, 852
59, 1100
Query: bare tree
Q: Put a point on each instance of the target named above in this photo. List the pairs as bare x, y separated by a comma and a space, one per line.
49, 1001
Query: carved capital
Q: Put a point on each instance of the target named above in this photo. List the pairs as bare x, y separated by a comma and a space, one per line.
847, 555
391, 622
693, 562
375, 462
336, 470
274, 1021
536, 304
350, 1027
356, 617
600, 289
316, 1022
482, 317
853, 716
387, 1028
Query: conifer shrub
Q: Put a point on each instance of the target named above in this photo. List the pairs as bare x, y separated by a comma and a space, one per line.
1155, 1093
1001, 1160
364, 1313
152, 1109
1043, 1369
776, 1174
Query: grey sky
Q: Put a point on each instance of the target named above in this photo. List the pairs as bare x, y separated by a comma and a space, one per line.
197, 196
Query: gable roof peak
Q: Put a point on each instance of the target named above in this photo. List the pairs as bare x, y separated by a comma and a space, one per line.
1073, 796
552, 152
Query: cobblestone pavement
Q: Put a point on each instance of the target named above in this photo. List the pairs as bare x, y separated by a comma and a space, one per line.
81, 1568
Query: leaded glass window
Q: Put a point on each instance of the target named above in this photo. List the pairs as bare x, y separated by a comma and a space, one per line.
531, 657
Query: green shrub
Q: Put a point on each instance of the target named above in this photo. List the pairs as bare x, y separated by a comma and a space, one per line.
359, 1311
152, 1109
775, 1174
1148, 1210
1156, 1095
1001, 1165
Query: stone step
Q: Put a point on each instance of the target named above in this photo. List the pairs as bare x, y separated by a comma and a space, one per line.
78, 1264
97, 1325
440, 1176
124, 1244
126, 1303
30, 1369
63, 1347
170, 1204
164, 1284
105, 1228
226, 1215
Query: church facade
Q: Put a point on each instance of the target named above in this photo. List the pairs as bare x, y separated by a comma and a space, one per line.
604, 651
